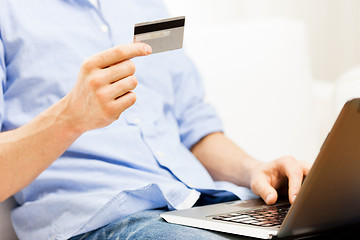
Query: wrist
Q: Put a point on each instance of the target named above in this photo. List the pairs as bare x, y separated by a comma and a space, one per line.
66, 118
252, 168
245, 170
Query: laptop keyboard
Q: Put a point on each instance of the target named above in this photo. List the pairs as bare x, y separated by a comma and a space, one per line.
270, 216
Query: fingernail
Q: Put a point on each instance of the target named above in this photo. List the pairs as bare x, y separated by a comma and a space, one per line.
294, 198
268, 198
148, 49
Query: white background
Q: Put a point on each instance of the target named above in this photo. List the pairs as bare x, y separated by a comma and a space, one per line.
319, 42
333, 25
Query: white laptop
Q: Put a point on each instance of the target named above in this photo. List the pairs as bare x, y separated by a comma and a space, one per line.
329, 197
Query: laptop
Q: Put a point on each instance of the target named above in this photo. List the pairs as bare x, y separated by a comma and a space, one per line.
329, 197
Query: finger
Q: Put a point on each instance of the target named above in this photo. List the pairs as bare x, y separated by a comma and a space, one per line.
119, 53
293, 171
123, 86
306, 166
125, 101
118, 71
263, 188
295, 181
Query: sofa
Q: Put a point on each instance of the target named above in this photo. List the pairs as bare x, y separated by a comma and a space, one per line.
6, 229
258, 76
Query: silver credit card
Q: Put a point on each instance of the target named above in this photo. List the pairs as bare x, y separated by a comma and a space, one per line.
162, 35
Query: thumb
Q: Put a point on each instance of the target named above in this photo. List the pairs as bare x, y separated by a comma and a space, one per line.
262, 188
270, 196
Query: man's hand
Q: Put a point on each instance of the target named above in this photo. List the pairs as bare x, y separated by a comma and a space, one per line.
225, 161
103, 88
102, 92
283, 175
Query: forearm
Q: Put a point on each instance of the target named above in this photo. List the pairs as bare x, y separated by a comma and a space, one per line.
224, 160
101, 93
27, 151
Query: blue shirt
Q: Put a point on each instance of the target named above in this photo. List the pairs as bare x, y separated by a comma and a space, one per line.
141, 161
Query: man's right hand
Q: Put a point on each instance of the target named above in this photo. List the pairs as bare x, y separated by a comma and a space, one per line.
103, 88
102, 92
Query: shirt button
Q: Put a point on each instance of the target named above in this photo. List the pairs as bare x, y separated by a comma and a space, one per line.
136, 120
104, 28
159, 154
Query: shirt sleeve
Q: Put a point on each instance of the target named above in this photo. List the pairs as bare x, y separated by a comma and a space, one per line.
196, 118
2, 80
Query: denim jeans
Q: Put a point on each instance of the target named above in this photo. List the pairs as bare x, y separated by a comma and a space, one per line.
149, 225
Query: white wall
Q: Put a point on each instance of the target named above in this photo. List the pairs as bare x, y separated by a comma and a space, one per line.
308, 54
333, 25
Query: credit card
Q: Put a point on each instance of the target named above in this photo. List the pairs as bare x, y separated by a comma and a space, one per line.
162, 35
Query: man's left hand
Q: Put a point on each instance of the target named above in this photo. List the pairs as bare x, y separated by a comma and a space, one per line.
282, 175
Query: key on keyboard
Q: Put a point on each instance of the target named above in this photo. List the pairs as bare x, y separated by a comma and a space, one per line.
265, 217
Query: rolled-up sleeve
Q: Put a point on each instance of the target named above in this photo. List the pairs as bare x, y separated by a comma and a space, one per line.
195, 117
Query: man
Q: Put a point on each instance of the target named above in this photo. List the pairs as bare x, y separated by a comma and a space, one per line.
84, 155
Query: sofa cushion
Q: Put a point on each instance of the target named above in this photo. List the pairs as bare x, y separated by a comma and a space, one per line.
6, 230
